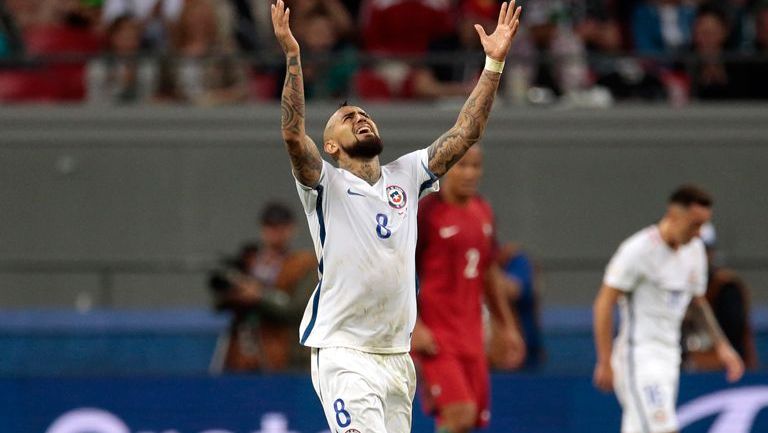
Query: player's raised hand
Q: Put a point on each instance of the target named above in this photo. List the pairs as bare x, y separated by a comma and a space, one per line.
496, 45
280, 16
603, 377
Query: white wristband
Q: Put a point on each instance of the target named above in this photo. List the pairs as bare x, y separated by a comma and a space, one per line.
493, 65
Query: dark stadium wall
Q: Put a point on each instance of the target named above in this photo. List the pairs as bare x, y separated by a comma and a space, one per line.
130, 207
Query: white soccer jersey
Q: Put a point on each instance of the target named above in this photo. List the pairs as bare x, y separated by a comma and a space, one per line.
659, 283
365, 241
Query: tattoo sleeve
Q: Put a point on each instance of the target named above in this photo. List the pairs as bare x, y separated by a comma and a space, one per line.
305, 158
469, 127
705, 316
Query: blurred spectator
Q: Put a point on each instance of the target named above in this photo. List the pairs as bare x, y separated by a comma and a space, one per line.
553, 57
761, 29
167, 10
122, 76
205, 72
62, 28
158, 17
305, 11
266, 289
600, 35
25, 12
353, 7
624, 76
328, 63
523, 296
10, 39
245, 25
738, 18
754, 72
662, 26
402, 28
263, 20
455, 72
729, 297
713, 78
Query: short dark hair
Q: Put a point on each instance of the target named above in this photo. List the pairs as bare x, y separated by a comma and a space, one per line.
687, 195
276, 213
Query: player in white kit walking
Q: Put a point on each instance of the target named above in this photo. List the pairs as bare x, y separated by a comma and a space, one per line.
362, 217
655, 274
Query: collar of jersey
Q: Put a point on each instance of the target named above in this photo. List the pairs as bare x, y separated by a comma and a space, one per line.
358, 185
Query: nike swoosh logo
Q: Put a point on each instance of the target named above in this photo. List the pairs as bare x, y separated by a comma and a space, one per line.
350, 192
447, 232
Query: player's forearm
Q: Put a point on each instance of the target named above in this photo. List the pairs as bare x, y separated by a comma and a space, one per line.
305, 158
603, 329
706, 317
497, 300
469, 127
501, 313
292, 102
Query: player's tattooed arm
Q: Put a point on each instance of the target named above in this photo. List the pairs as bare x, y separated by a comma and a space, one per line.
453, 144
702, 314
305, 157
731, 360
469, 127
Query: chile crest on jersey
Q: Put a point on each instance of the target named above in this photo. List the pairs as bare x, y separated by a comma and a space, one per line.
396, 197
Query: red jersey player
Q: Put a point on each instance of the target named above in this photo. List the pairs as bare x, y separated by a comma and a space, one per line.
455, 264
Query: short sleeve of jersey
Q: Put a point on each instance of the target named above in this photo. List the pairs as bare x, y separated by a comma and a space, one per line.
623, 270
418, 163
308, 195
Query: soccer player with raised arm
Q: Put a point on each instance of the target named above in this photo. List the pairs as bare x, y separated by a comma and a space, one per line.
362, 217
456, 264
655, 274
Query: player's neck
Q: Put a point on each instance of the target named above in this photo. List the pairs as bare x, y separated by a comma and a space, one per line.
367, 169
665, 231
455, 199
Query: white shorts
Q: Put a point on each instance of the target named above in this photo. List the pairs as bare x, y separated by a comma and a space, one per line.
364, 392
647, 392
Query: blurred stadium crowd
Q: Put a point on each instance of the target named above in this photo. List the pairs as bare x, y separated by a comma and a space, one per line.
214, 52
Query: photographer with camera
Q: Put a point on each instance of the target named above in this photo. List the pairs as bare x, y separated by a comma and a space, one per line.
265, 288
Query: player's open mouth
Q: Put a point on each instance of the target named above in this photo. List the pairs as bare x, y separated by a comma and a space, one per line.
364, 130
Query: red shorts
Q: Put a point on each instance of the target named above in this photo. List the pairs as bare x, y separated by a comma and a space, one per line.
449, 378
